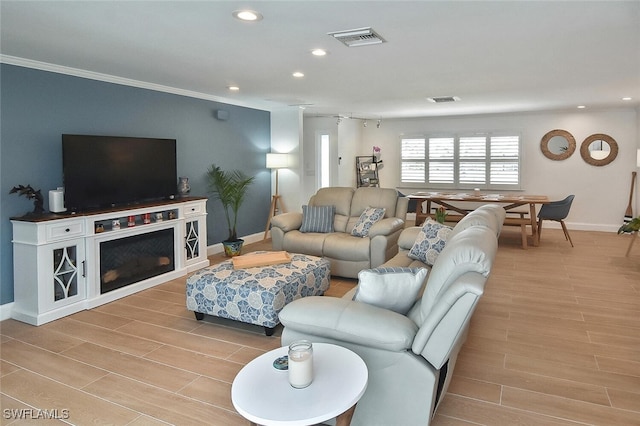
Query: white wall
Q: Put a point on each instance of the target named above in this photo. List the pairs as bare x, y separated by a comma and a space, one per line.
345, 138
286, 137
601, 193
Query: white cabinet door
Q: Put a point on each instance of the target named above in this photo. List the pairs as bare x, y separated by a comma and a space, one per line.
64, 265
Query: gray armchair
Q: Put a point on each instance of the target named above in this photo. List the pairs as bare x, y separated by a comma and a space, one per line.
410, 357
558, 212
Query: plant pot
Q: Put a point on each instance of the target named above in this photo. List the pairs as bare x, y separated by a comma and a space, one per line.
232, 248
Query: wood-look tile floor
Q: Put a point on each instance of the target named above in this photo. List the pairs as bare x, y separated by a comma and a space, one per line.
555, 341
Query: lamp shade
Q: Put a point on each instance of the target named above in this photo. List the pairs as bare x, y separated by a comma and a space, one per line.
277, 161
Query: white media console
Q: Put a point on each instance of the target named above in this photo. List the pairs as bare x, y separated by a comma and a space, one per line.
57, 258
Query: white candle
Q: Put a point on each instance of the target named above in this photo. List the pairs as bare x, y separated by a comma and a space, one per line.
300, 364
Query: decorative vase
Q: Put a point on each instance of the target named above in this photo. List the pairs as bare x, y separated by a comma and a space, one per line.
183, 185
232, 248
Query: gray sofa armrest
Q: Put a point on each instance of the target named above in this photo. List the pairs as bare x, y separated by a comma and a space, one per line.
287, 221
445, 327
386, 226
348, 321
408, 237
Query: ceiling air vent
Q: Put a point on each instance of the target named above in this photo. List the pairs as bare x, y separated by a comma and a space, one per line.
443, 99
358, 37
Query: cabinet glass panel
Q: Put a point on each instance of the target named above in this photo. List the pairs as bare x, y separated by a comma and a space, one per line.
65, 273
192, 246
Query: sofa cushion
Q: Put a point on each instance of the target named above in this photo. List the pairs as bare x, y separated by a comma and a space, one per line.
340, 197
317, 218
430, 242
343, 246
390, 288
471, 250
310, 243
368, 217
478, 217
371, 196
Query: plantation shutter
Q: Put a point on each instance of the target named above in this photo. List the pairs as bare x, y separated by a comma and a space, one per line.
413, 163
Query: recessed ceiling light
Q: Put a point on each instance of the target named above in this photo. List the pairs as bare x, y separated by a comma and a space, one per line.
626, 98
234, 88
318, 52
298, 74
581, 106
444, 99
247, 15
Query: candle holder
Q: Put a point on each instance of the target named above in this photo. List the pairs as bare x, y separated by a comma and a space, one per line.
300, 364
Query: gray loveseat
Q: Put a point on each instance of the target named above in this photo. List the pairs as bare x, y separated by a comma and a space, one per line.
348, 254
410, 357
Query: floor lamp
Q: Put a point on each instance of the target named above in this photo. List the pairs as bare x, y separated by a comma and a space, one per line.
275, 161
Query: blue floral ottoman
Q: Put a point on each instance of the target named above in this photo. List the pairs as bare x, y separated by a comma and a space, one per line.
255, 295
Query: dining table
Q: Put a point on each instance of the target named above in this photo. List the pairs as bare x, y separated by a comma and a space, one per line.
458, 204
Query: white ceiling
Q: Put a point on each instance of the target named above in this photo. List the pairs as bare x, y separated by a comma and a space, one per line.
503, 56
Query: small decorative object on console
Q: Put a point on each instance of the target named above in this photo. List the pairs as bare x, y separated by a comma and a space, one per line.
183, 185
31, 194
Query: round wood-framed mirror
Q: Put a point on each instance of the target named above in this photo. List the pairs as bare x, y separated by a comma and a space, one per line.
558, 145
599, 149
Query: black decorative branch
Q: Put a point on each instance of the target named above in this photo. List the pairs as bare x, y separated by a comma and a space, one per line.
31, 194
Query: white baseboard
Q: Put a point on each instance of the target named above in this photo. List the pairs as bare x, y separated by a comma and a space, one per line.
5, 311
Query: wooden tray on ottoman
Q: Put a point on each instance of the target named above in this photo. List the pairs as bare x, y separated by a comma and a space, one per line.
253, 260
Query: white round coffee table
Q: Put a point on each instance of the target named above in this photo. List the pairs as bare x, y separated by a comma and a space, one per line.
263, 395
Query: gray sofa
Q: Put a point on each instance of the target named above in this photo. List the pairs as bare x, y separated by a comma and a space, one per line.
410, 357
348, 254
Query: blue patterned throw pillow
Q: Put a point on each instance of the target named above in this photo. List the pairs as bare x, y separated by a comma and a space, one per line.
393, 288
430, 242
317, 218
369, 216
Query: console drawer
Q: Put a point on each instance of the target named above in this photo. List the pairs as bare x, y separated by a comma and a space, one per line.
194, 209
67, 229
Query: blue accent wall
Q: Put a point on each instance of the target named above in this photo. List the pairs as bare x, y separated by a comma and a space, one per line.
37, 107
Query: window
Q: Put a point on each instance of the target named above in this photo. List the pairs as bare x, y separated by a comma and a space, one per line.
485, 161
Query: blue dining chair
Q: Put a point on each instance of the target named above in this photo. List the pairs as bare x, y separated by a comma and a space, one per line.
557, 211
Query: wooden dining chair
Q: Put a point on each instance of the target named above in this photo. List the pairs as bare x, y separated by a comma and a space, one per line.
556, 211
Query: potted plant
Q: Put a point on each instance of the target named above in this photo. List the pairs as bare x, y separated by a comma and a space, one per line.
632, 226
230, 187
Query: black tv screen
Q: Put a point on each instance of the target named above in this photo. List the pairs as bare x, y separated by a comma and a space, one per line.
108, 171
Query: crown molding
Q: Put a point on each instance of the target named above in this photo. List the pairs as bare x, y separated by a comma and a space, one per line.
91, 75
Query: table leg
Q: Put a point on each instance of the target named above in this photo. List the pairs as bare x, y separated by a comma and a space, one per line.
634, 237
344, 419
534, 224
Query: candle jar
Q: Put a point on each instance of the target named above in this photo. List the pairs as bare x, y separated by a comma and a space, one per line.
300, 364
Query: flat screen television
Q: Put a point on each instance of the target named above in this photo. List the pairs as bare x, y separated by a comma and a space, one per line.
109, 171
